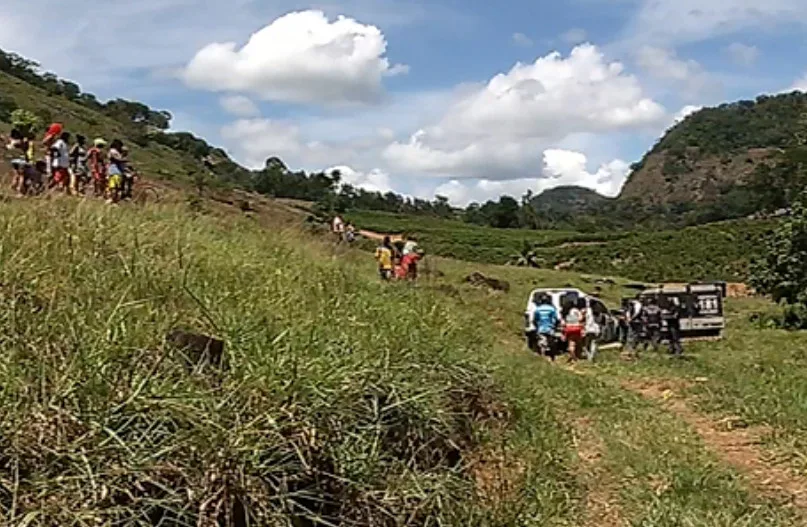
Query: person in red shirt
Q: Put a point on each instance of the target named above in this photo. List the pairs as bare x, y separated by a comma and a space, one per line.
51, 136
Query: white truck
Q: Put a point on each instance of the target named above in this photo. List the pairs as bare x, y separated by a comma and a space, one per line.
559, 297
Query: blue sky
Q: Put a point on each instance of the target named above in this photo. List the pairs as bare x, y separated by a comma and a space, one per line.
468, 99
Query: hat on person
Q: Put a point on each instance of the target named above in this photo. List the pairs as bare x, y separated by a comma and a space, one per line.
54, 130
99, 142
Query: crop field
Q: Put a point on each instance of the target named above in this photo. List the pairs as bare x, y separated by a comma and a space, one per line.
464, 241
720, 251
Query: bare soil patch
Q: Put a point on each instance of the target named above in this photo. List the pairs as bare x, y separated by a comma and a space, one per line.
733, 441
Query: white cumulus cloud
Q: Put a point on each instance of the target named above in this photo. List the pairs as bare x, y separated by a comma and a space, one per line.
560, 168
499, 131
373, 181
239, 105
302, 57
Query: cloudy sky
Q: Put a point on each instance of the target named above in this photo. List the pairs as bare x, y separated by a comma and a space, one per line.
468, 99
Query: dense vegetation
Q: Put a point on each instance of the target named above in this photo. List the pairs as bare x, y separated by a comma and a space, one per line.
778, 121
727, 162
781, 269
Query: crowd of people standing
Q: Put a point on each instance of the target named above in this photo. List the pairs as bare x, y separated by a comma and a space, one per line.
398, 262
73, 167
644, 324
576, 329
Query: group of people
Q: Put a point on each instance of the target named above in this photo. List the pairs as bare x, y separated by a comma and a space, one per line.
396, 260
71, 166
344, 231
574, 329
642, 325
400, 261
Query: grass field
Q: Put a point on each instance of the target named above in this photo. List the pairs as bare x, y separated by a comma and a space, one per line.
349, 402
718, 251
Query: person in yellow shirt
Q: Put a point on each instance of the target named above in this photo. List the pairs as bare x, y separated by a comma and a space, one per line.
383, 255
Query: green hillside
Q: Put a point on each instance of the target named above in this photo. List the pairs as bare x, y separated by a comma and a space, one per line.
721, 158
154, 159
341, 400
716, 251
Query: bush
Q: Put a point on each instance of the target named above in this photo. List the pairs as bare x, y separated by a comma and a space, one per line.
25, 121
792, 317
782, 270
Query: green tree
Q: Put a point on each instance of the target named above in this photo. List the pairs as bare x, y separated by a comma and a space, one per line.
782, 270
24, 121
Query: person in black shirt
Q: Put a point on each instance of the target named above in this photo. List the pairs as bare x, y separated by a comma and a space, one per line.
651, 318
672, 316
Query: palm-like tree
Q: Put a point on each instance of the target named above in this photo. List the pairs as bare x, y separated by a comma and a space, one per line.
526, 257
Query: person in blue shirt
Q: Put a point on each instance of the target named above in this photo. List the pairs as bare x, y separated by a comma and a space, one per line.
546, 320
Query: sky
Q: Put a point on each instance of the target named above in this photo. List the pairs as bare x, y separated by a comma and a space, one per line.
467, 99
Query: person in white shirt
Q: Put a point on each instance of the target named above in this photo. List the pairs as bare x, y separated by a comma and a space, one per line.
60, 161
592, 333
635, 326
410, 246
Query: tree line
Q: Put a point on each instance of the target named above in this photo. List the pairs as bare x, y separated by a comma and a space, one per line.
767, 121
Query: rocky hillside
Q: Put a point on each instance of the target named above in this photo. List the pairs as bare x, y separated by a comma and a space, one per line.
713, 151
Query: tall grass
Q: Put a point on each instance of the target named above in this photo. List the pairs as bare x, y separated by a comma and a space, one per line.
341, 403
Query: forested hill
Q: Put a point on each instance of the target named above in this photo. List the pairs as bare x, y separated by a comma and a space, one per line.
726, 156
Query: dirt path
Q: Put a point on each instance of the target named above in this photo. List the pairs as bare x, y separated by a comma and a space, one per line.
737, 446
601, 501
372, 235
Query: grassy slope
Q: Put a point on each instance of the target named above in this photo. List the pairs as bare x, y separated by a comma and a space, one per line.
659, 471
338, 390
156, 160
716, 251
